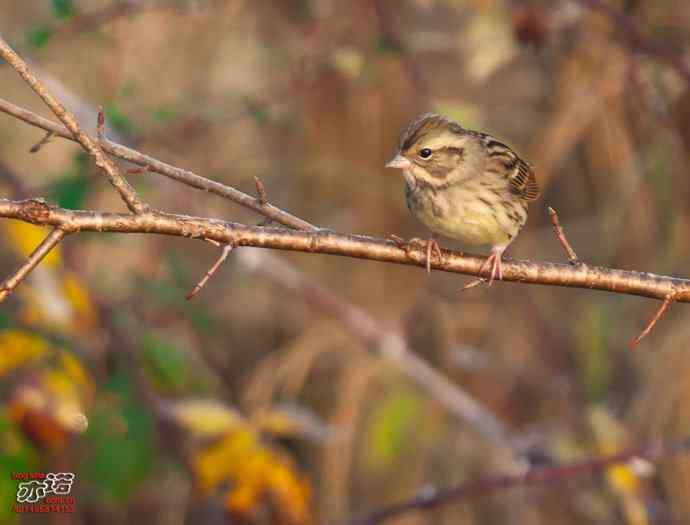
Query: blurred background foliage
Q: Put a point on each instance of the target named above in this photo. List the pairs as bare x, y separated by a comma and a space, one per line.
247, 406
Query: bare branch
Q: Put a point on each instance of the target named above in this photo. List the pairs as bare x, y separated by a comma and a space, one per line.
389, 343
9, 284
430, 499
127, 192
211, 272
149, 163
357, 246
668, 301
560, 235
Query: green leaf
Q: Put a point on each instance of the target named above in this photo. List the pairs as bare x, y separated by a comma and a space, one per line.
164, 361
6, 321
594, 359
119, 447
63, 8
71, 190
16, 455
391, 425
39, 36
165, 114
118, 119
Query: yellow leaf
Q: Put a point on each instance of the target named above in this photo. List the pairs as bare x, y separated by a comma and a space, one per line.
73, 369
81, 302
25, 237
623, 479
242, 499
16, 348
221, 461
207, 417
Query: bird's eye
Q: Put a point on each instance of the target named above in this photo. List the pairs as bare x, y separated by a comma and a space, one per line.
425, 153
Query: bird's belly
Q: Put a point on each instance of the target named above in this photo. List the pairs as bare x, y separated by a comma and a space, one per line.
468, 217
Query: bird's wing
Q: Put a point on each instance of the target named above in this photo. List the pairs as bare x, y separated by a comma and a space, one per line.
502, 159
523, 181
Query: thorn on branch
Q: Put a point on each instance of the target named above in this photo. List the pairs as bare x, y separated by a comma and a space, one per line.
261, 191
473, 284
560, 235
139, 170
211, 272
45, 140
100, 127
668, 301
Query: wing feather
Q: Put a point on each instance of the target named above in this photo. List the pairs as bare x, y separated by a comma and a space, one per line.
523, 182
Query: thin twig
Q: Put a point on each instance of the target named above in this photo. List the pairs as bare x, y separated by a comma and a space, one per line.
261, 191
45, 140
181, 175
430, 499
14, 280
211, 272
127, 192
473, 284
560, 235
668, 301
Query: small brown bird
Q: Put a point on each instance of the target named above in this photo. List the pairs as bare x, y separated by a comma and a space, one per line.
464, 185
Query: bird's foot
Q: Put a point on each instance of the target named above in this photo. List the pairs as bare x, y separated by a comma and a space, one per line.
492, 265
430, 246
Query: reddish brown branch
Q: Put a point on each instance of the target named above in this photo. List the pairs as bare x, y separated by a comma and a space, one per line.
127, 192
550, 474
358, 246
668, 301
560, 235
9, 284
211, 272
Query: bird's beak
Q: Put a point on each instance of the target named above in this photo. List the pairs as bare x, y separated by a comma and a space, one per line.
399, 162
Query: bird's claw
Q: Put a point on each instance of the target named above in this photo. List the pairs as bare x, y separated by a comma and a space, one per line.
430, 246
493, 268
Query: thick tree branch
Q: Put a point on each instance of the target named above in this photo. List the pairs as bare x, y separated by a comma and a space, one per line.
126, 191
184, 176
435, 498
32, 261
358, 246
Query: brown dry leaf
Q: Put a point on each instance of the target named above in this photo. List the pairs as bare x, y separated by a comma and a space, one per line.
52, 405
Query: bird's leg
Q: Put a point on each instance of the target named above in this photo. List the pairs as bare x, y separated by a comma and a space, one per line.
491, 265
430, 245
495, 260
431, 248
